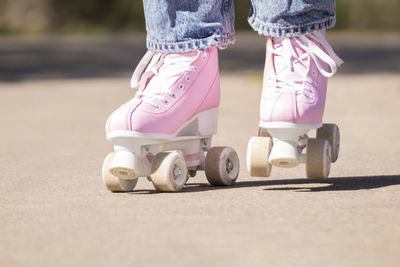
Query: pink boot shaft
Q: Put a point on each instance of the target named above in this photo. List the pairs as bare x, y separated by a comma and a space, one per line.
295, 81
172, 90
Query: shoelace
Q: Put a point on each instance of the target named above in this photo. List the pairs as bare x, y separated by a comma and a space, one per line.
306, 42
160, 85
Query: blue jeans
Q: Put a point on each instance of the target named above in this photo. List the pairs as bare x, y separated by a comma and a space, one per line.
185, 25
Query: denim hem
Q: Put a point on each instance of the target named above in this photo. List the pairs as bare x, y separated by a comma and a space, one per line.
272, 29
222, 41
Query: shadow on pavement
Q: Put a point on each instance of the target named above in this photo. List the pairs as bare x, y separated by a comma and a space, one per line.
299, 185
337, 184
66, 57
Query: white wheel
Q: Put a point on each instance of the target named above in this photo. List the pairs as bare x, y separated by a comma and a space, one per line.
318, 162
258, 151
169, 172
222, 166
113, 183
331, 133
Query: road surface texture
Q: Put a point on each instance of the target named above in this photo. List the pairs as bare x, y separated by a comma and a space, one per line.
55, 95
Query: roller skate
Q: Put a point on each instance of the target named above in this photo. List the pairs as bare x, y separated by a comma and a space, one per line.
292, 104
164, 132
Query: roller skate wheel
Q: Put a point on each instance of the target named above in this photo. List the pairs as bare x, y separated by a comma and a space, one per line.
113, 183
222, 166
123, 165
258, 151
331, 133
318, 162
284, 154
169, 172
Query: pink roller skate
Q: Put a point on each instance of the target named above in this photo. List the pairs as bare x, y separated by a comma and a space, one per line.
163, 132
292, 103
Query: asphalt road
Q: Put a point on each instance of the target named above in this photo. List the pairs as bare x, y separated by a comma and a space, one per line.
55, 211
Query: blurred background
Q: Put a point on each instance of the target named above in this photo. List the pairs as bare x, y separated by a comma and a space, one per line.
65, 65
27, 16
105, 38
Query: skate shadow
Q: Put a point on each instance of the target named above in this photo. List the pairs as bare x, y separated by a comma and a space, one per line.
335, 184
299, 185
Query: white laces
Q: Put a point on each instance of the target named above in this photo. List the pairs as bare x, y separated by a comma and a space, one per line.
307, 43
160, 85
146, 62
298, 86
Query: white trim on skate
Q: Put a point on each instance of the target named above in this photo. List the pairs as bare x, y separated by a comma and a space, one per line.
291, 125
203, 124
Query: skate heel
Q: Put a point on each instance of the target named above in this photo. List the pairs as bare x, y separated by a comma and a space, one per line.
203, 124
284, 154
208, 122
124, 165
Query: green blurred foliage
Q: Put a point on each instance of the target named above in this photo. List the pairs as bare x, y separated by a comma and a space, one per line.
97, 15
368, 14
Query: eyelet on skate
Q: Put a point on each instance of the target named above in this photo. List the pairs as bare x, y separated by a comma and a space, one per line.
314, 73
181, 87
173, 95
188, 78
157, 107
195, 68
166, 102
309, 90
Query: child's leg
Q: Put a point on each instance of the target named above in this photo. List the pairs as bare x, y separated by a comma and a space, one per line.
291, 17
187, 25
298, 63
176, 103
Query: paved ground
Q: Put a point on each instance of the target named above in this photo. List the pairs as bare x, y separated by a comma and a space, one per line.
55, 211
